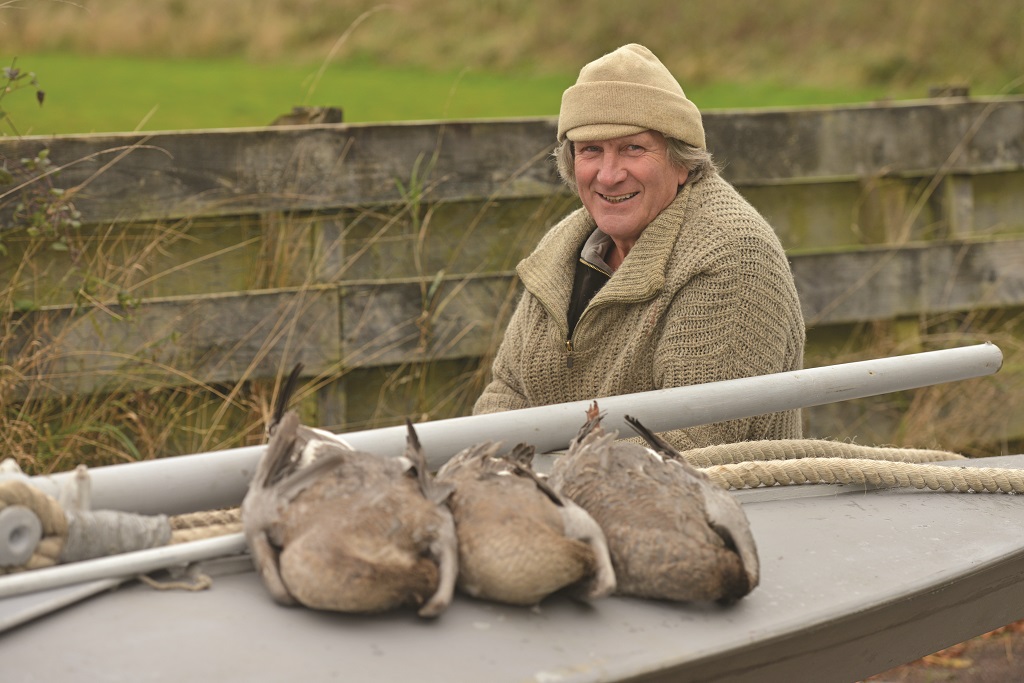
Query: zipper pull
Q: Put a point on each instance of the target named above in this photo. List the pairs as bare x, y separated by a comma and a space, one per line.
568, 357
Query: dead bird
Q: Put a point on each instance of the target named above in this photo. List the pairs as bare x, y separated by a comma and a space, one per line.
672, 534
347, 530
520, 541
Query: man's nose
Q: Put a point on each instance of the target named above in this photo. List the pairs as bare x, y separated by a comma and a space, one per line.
612, 169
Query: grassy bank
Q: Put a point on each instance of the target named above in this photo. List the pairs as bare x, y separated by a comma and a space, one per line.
172, 64
88, 94
866, 42
113, 93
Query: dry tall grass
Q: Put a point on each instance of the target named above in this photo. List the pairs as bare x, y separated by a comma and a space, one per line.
974, 417
149, 403
918, 42
51, 275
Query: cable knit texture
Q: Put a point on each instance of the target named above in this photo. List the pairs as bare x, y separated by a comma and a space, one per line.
706, 294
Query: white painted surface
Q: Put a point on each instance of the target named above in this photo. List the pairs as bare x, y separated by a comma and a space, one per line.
853, 583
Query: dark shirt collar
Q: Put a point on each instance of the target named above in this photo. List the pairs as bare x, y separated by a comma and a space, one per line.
595, 249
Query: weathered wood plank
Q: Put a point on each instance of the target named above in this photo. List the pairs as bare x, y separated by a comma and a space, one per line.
452, 237
227, 172
883, 283
385, 323
912, 138
413, 322
227, 338
200, 340
224, 172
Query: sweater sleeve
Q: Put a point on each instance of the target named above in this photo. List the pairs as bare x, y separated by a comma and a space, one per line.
738, 317
505, 391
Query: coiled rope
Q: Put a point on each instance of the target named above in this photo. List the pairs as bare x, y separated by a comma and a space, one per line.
795, 449
880, 473
752, 464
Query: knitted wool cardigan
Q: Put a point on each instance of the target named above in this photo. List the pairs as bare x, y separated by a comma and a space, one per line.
705, 294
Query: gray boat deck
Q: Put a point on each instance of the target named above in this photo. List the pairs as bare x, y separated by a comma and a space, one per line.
854, 582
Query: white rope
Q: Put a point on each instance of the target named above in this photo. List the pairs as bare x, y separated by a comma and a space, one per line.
793, 449
880, 473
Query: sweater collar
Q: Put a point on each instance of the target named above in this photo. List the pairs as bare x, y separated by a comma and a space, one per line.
548, 272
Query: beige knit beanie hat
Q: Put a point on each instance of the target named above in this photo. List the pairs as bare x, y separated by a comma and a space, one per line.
626, 92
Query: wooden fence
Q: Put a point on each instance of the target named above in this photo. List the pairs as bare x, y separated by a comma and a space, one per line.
382, 256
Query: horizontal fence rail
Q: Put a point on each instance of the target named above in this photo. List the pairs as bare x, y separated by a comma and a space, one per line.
222, 338
160, 176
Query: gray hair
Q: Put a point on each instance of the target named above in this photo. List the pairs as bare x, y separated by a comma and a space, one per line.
697, 161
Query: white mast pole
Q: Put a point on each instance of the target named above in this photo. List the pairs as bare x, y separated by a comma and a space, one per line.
217, 479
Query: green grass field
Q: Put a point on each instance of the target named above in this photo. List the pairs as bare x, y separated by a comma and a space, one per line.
118, 94
104, 94
120, 65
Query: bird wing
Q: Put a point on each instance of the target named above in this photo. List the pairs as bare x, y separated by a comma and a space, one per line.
432, 490
277, 459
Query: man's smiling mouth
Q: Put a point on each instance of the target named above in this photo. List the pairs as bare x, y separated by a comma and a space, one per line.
616, 199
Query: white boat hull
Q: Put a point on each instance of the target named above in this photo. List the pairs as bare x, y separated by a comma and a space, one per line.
853, 583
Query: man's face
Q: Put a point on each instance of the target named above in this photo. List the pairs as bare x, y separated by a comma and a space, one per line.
625, 182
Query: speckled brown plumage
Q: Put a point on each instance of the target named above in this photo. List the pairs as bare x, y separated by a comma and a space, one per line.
670, 533
519, 541
339, 529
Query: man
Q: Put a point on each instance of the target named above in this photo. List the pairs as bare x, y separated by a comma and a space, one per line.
665, 277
